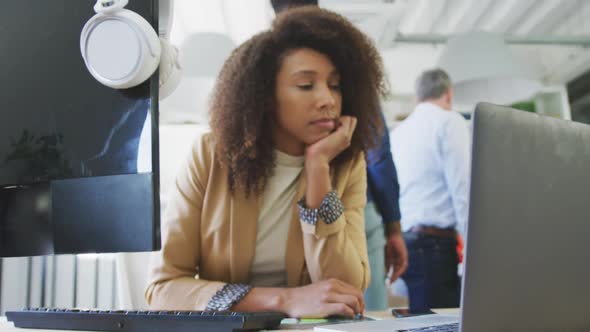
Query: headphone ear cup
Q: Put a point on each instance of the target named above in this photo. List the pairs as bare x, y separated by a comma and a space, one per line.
120, 49
170, 69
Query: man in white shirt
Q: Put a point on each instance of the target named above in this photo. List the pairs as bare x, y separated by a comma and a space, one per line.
431, 152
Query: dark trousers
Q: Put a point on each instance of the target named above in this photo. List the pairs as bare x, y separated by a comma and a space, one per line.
431, 276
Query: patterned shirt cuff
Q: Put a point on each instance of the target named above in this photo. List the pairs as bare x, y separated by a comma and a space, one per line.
330, 210
227, 297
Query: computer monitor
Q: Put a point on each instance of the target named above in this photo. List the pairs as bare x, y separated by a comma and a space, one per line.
78, 160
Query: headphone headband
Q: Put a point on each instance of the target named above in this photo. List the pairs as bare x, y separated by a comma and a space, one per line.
109, 6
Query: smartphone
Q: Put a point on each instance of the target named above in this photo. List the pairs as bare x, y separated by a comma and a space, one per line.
401, 313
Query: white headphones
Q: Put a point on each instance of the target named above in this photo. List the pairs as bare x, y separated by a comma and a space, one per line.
121, 49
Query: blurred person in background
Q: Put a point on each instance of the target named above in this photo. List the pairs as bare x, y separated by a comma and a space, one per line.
431, 153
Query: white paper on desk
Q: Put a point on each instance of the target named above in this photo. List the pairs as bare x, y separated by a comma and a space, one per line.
390, 325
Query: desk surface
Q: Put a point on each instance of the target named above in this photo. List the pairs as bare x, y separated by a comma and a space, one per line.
6, 326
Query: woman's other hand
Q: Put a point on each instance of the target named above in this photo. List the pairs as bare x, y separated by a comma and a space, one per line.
324, 298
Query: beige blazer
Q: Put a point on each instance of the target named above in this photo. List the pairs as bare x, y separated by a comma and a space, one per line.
209, 236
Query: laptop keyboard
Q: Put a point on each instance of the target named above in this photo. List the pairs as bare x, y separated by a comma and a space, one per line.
454, 327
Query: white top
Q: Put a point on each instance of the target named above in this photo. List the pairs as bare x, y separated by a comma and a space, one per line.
268, 267
431, 151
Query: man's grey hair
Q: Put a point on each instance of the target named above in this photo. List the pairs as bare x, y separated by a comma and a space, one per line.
432, 84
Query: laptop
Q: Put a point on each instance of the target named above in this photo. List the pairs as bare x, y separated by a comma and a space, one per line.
527, 261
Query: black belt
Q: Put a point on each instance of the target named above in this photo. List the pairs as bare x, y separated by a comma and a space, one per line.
435, 231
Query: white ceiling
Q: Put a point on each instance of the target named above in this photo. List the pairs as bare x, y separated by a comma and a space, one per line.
554, 64
384, 20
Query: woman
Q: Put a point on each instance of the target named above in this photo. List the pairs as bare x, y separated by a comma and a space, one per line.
267, 213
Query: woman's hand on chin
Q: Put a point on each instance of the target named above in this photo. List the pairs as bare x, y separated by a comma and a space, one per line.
327, 148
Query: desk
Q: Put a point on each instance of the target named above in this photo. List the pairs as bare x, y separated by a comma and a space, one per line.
6, 326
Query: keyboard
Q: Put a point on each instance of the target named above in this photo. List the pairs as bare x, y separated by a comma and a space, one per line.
454, 327
143, 321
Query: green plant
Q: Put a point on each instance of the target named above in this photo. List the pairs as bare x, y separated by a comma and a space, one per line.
41, 156
528, 106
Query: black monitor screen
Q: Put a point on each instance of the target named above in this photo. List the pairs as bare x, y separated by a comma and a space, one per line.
78, 160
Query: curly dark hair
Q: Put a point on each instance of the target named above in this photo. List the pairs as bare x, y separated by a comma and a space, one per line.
244, 102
